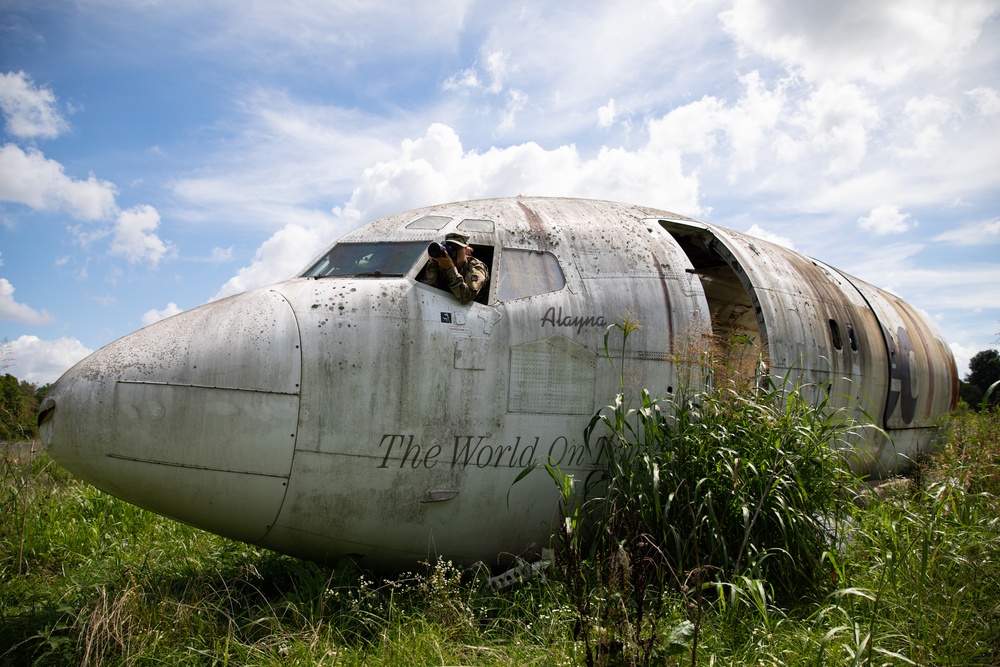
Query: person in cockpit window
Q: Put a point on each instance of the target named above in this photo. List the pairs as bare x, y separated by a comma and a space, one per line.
455, 268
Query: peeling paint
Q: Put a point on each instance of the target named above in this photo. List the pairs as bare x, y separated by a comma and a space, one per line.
396, 434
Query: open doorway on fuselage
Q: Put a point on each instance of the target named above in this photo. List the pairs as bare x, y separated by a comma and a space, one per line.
736, 331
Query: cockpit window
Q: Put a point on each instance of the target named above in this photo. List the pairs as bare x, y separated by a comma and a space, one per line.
526, 273
376, 260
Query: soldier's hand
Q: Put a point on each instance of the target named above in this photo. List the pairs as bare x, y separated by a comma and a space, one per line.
444, 261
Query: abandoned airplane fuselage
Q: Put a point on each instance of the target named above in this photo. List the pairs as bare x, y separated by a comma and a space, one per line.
356, 410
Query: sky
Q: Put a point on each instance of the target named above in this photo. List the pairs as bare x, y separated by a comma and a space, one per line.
159, 154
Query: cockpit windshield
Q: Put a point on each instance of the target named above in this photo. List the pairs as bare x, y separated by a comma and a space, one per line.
375, 260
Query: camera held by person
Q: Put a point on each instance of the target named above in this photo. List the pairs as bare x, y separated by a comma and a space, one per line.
436, 250
452, 267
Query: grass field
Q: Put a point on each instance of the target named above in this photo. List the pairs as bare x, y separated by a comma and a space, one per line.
86, 579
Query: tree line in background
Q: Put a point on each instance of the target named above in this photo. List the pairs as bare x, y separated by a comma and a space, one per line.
984, 370
19, 401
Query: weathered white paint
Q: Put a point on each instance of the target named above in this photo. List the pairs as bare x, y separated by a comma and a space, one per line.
375, 415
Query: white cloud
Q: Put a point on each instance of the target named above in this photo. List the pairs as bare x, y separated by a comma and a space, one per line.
886, 219
986, 99
930, 110
269, 36
749, 121
856, 40
924, 123
508, 118
282, 256
739, 134
959, 287
43, 361
606, 114
566, 60
979, 233
693, 128
284, 164
963, 355
761, 233
30, 111
808, 157
324, 29
772, 136
153, 316
13, 311
33, 180
105, 300
222, 255
466, 78
498, 68
436, 168
838, 118
135, 236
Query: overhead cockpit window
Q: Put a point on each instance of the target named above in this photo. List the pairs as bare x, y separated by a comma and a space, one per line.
472, 225
434, 222
368, 260
526, 273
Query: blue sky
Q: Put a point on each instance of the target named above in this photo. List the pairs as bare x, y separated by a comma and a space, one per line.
159, 154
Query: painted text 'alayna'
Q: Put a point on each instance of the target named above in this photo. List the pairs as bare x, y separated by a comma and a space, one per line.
557, 319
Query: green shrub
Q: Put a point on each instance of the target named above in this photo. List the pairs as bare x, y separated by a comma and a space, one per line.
739, 488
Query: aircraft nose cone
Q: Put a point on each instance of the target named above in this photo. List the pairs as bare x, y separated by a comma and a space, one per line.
193, 417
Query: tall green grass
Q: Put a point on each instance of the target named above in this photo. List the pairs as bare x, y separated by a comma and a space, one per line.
910, 577
728, 491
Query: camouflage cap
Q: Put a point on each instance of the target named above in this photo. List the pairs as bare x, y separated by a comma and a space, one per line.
455, 237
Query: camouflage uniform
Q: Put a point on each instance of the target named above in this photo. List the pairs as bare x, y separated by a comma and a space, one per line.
464, 283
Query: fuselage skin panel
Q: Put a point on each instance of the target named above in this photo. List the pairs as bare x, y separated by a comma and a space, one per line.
354, 410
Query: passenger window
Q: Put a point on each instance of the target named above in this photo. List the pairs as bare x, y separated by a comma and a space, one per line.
835, 334
526, 273
852, 337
